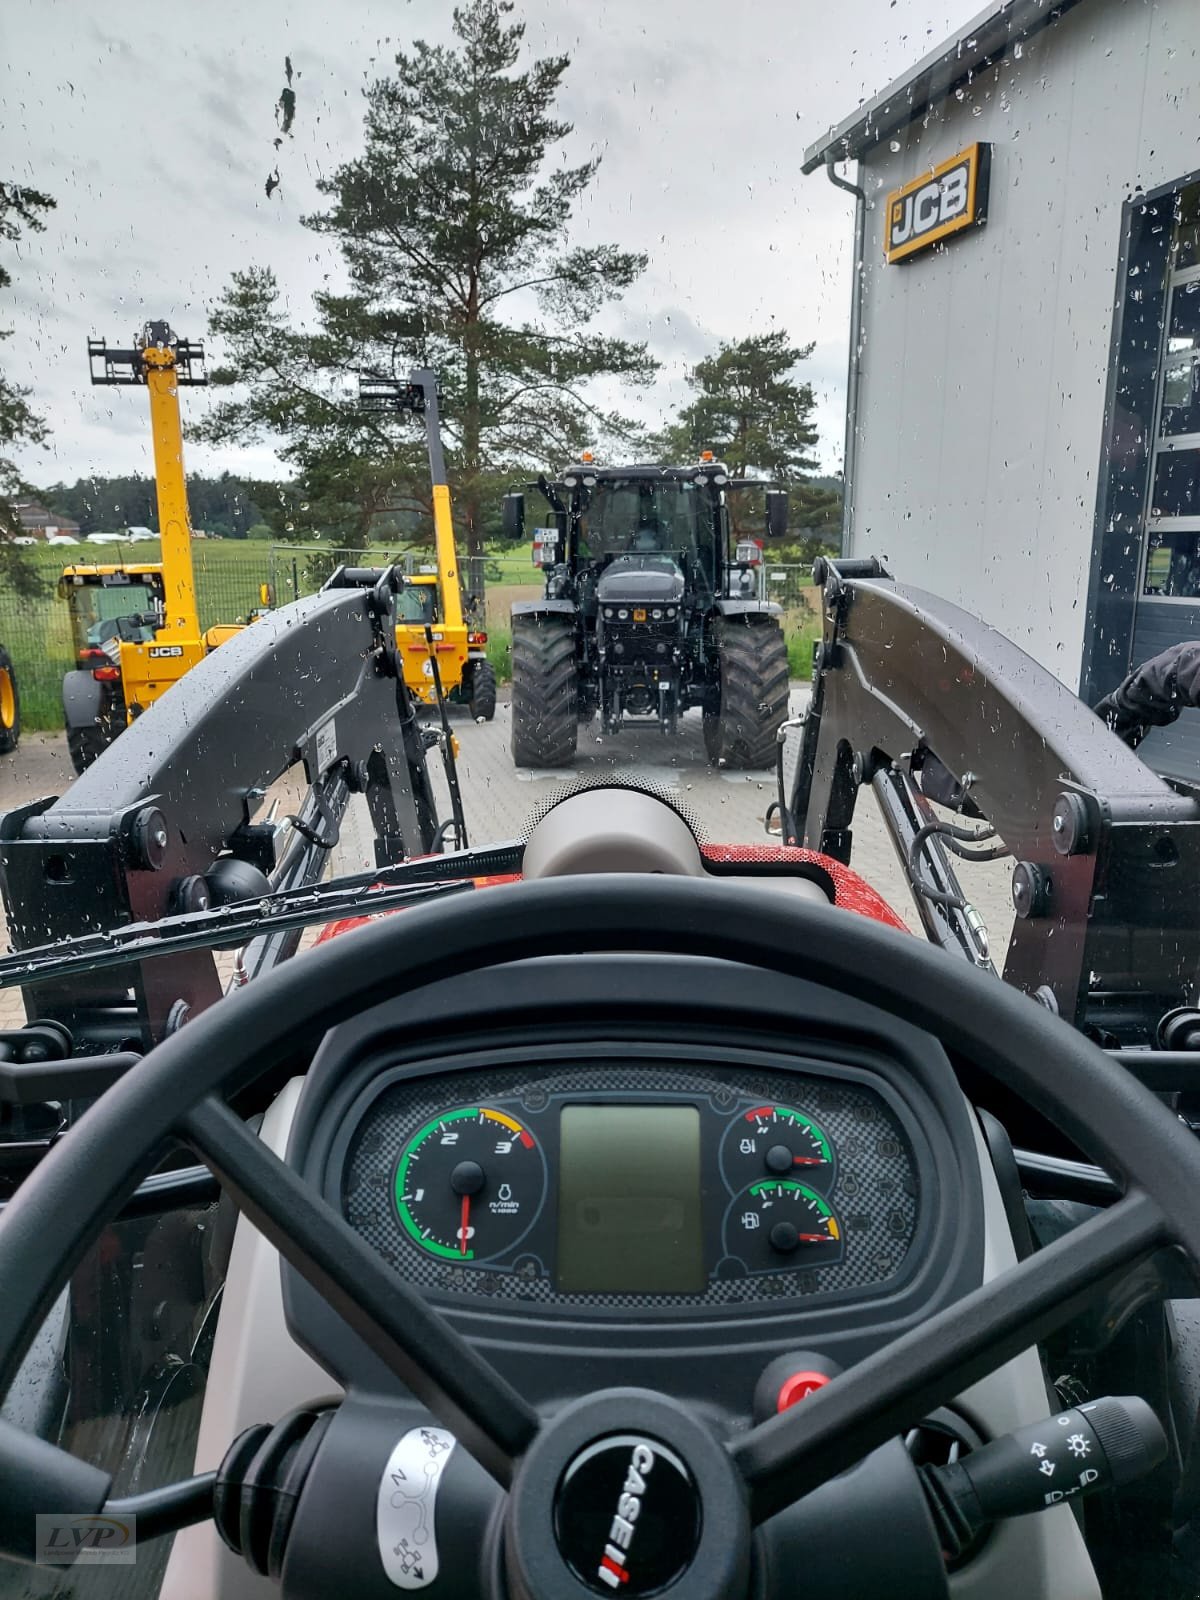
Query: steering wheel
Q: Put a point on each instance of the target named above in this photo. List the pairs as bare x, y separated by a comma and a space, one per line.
726, 1488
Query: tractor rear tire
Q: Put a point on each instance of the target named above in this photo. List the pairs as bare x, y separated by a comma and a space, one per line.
743, 732
545, 692
10, 705
482, 696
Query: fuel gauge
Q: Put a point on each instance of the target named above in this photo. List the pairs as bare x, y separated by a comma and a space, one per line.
778, 1224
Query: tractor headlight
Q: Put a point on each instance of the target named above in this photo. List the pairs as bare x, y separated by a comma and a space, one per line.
671, 612
623, 615
608, 613
657, 613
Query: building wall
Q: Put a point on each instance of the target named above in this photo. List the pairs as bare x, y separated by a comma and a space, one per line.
985, 363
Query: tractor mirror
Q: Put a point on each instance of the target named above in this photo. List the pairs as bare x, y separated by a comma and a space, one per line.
777, 513
514, 516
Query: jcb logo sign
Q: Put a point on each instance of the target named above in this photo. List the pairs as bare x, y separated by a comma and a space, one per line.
939, 203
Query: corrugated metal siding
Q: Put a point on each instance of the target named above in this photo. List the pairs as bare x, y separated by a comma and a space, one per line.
984, 365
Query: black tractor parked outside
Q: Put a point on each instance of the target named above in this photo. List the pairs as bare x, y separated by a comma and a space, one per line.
646, 613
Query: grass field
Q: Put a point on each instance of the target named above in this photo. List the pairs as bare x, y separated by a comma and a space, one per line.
36, 633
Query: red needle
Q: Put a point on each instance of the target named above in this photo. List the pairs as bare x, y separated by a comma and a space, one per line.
813, 1238
466, 1219
808, 1161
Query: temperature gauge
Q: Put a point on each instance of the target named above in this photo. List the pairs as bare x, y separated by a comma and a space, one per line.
779, 1224
469, 1185
779, 1141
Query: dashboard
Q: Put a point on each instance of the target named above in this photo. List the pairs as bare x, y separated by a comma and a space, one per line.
673, 1169
583, 1163
647, 1183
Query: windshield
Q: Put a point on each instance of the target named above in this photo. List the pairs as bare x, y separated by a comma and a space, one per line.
103, 612
417, 603
632, 516
325, 312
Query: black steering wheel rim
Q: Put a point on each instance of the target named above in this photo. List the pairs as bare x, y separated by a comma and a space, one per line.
173, 1094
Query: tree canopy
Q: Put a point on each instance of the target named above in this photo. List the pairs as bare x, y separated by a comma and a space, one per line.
21, 210
755, 413
453, 226
226, 505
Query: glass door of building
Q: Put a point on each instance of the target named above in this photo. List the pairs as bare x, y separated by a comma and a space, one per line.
1168, 607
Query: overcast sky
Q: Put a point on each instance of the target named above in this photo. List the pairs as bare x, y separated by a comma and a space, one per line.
152, 124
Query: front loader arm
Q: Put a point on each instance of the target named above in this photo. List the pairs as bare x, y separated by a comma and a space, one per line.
1107, 855
141, 834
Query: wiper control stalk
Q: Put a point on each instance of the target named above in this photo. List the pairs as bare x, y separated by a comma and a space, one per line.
1102, 1445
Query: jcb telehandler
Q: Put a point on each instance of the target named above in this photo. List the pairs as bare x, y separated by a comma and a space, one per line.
433, 600
135, 627
647, 611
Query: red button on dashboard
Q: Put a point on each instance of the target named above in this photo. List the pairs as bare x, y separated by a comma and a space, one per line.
798, 1387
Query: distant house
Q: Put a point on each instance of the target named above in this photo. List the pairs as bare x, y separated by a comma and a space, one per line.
39, 523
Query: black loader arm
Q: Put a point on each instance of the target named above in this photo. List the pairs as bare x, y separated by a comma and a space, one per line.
1154, 694
925, 702
164, 823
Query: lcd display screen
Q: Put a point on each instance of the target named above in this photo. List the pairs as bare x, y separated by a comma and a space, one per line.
629, 1218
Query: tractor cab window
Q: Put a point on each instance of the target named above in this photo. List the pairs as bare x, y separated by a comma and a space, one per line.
417, 602
664, 517
101, 612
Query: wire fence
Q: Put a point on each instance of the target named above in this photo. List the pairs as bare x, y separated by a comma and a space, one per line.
35, 628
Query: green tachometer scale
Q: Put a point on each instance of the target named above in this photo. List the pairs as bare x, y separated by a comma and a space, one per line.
470, 1184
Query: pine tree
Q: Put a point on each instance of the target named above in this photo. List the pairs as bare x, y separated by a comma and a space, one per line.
755, 414
21, 209
453, 227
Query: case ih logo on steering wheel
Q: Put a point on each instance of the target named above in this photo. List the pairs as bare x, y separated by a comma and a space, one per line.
627, 1517
612, 1563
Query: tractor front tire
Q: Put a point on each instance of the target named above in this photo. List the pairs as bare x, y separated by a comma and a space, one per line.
743, 731
545, 692
481, 696
10, 705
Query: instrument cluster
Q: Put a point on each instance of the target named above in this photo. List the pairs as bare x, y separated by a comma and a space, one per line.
629, 1183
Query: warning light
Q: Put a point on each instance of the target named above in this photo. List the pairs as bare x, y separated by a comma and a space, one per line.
706, 455
587, 456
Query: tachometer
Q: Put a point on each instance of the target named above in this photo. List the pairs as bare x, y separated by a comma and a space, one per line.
778, 1224
469, 1184
778, 1141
